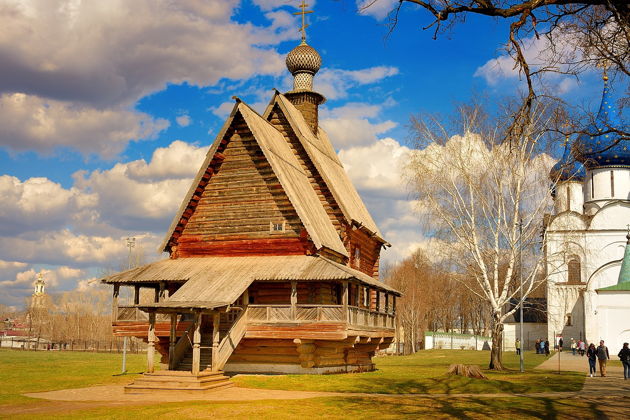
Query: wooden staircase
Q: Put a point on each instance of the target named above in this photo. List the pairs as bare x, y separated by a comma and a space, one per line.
206, 356
172, 380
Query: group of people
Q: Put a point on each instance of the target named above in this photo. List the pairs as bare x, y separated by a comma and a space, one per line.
601, 354
542, 346
577, 347
594, 354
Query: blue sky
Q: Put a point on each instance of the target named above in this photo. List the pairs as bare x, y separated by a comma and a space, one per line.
107, 109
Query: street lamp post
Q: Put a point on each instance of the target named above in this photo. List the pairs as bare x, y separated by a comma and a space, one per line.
131, 242
520, 261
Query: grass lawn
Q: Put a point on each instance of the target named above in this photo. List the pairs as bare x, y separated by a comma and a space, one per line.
344, 408
22, 372
28, 371
424, 372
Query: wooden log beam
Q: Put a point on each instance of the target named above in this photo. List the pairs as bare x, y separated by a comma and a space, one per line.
115, 302
151, 338
171, 343
196, 353
216, 329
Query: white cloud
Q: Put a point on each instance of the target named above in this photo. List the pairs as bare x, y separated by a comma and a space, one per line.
183, 120
79, 67
335, 83
350, 125
378, 9
35, 204
376, 169
118, 51
539, 54
29, 122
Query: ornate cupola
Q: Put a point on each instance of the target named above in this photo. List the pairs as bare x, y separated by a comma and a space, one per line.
304, 62
567, 175
567, 168
601, 145
605, 155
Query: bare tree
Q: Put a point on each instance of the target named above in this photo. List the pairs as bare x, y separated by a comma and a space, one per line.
579, 34
479, 189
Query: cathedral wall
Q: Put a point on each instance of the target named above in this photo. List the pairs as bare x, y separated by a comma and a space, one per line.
607, 184
613, 312
569, 197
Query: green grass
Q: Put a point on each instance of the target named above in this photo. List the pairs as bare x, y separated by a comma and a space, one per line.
28, 371
425, 372
343, 408
22, 372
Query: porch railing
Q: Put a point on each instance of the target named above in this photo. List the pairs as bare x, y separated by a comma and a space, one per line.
131, 313
320, 313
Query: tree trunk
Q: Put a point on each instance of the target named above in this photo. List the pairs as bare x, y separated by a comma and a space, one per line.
496, 353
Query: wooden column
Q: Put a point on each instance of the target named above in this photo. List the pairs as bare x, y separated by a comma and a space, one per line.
344, 300
394, 306
293, 299
171, 342
151, 339
246, 297
196, 359
136, 294
156, 296
163, 292
377, 307
386, 302
115, 302
216, 324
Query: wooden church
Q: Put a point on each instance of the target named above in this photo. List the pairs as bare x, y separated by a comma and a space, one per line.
274, 258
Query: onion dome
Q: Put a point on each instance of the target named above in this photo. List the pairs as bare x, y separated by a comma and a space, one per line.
567, 168
600, 145
303, 59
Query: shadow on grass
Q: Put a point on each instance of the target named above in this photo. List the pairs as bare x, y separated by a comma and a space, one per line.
473, 407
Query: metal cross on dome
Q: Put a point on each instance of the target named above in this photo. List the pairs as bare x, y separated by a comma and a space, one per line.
303, 12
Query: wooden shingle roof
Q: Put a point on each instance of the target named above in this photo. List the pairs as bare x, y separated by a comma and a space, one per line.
221, 280
286, 167
323, 155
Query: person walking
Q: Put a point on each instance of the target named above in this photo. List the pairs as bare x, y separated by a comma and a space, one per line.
581, 348
517, 345
537, 346
573, 346
602, 357
542, 346
547, 350
624, 355
560, 343
591, 354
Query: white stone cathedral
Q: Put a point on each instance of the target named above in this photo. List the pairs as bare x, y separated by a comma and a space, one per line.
588, 292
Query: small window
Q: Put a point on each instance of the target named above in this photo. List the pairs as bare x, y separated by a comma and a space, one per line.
357, 256
276, 227
569, 320
574, 270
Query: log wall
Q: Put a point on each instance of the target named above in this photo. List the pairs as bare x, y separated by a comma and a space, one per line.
279, 293
236, 207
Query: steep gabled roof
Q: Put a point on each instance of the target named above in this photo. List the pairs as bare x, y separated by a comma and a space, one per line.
289, 172
323, 155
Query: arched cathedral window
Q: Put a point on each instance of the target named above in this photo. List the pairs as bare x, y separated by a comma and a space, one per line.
574, 270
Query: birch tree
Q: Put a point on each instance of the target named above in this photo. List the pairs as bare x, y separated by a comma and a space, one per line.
479, 188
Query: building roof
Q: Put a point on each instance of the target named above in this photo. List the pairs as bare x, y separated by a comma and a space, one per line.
601, 145
323, 155
567, 168
221, 280
290, 174
623, 281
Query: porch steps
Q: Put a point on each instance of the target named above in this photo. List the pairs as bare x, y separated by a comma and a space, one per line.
178, 381
205, 361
